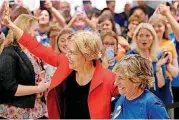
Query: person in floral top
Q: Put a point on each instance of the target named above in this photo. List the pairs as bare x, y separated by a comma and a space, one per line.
22, 78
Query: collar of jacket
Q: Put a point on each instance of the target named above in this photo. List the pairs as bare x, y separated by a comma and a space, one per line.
63, 72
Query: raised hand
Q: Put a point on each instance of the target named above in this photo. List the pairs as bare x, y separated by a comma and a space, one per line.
6, 13
163, 9
48, 4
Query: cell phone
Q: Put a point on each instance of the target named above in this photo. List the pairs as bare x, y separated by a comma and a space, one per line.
165, 55
109, 53
79, 10
167, 4
42, 5
110, 56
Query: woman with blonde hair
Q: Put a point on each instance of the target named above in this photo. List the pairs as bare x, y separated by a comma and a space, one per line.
133, 75
165, 11
145, 43
22, 82
80, 87
159, 23
59, 42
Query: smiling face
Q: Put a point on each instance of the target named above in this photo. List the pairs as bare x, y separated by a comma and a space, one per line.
76, 59
106, 25
133, 74
159, 29
83, 48
62, 43
144, 39
125, 85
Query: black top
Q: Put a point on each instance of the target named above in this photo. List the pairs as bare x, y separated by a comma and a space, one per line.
76, 98
15, 69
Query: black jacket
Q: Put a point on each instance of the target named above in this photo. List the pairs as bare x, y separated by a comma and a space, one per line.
15, 69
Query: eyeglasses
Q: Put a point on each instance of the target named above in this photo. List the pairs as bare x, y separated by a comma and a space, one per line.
107, 44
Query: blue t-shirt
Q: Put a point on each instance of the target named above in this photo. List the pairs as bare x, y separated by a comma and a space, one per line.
164, 93
110, 67
146, 106
121, 19
43, 38
175, 81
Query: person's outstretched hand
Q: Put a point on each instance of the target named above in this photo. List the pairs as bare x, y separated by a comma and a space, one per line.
43, 86
48, 4
163, 9
6, 13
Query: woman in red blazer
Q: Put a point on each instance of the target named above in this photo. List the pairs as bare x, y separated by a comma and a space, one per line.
80, 87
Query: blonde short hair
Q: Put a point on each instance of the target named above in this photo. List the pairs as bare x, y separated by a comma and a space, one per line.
137, 69
23, 21
88, 43
158, 18
153, 49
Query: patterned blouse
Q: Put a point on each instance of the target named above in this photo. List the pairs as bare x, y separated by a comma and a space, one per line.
39, 110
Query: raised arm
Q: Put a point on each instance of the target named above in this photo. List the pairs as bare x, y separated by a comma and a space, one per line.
84, 17
165, 10
88, 21
45, 53
56, 13
159, 71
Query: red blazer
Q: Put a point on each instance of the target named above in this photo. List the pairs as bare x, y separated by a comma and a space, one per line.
101, 89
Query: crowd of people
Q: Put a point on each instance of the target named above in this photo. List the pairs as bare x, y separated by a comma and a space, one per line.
90, 65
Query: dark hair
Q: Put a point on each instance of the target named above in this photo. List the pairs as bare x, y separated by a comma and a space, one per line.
95, 13
109, 1
50, 15
136, 8
86, 1
106, 9
106, 17
167, 4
